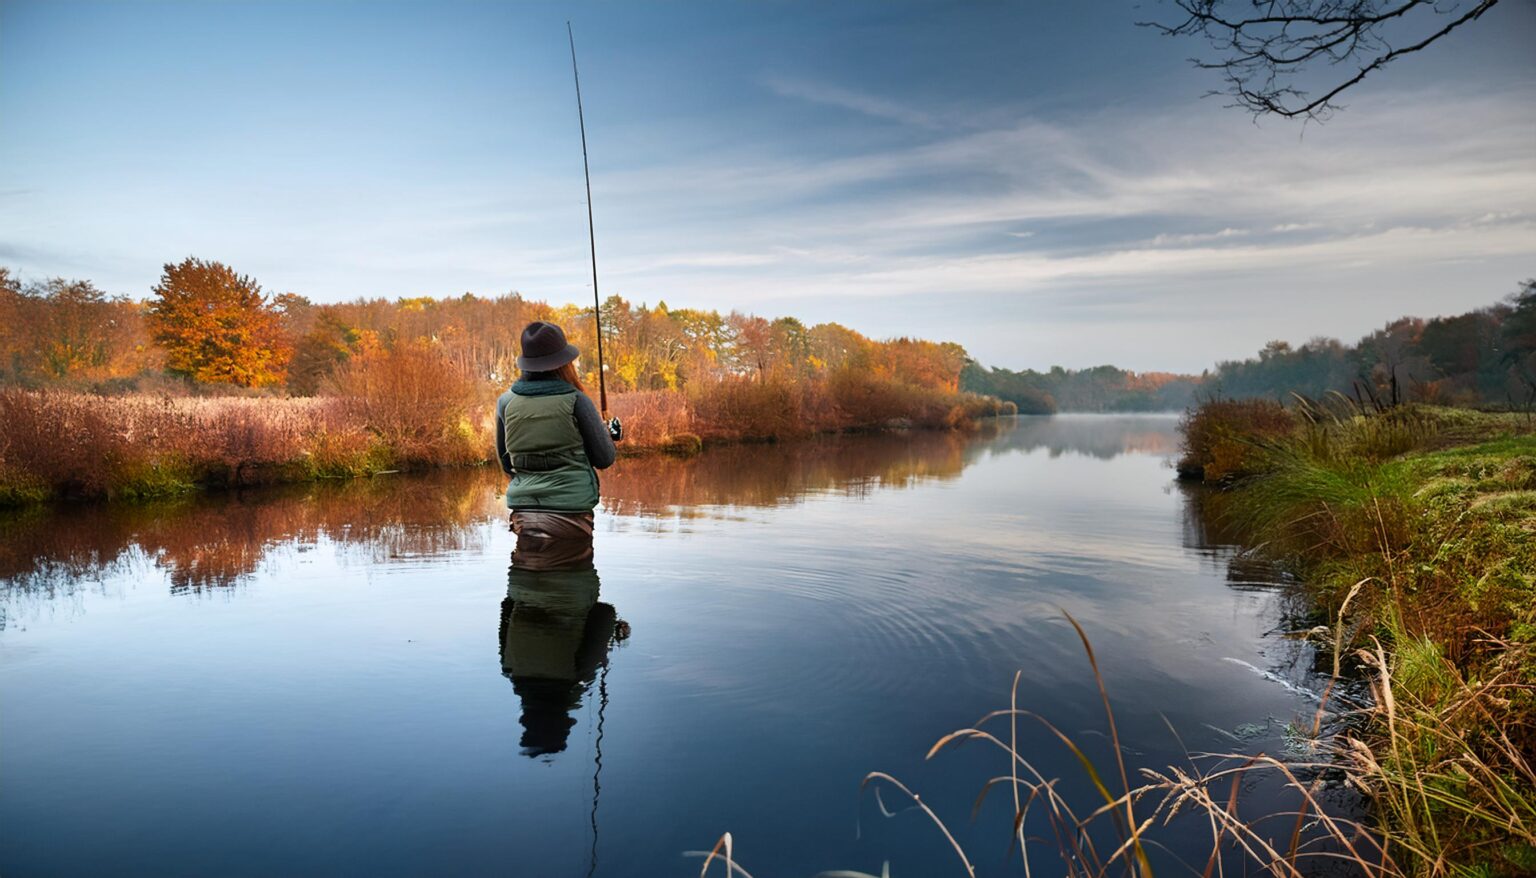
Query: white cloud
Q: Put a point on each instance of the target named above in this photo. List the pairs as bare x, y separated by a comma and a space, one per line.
1141, 208
1165, 240
1098, 182
849, 99
1025, 274
1221, 233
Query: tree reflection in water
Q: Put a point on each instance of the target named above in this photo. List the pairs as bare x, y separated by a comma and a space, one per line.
1100, 436
220, 540
773, 475
757, 475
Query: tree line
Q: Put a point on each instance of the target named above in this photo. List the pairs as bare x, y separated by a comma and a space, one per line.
211, 328
1483, 358
207, 328
1095, 389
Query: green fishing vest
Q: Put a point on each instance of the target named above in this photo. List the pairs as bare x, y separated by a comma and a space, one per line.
549, 461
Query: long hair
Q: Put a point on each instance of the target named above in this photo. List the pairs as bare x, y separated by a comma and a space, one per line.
567, 373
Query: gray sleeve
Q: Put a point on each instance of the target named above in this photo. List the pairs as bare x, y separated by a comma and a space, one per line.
594, 433
502, 456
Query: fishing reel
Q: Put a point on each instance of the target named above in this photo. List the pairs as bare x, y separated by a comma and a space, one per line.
615, 429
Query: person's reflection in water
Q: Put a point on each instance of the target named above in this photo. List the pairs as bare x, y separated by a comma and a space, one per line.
555, 634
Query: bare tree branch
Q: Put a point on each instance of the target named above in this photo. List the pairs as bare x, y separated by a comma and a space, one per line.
1264, 55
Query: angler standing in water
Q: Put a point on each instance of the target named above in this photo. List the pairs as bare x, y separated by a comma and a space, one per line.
551, 440
549, 437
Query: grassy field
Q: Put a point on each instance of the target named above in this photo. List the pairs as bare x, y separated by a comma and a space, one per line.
1414, 530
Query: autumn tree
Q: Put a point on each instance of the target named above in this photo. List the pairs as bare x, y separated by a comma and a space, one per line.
68, 331
1466, 354
752, 344
834, 346
328, 344
924, 363
706, 336
75, 330
793, 341
216, 326
1390, 360
624, 345
13, 337
1519, 337
669, 345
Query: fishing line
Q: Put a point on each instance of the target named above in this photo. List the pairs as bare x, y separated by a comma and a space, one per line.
597, 758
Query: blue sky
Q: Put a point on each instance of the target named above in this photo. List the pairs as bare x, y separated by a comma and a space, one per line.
1038, 181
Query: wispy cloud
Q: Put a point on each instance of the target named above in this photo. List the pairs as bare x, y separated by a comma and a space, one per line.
850, 99
1133, 215
1094, 187
1142, 203
1164, 240
1148, 266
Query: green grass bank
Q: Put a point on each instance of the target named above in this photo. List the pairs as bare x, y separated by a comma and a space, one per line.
1414, 531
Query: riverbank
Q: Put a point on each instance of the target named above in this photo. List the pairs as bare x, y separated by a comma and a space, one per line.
82, 446
1414, 532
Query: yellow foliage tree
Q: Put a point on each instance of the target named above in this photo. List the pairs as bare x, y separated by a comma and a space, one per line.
216, 326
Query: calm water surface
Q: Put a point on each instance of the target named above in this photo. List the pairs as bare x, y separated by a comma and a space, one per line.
327, 680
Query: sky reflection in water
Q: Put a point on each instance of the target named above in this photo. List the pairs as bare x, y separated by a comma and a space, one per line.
304, 681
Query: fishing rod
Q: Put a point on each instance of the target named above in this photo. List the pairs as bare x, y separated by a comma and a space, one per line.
597, 305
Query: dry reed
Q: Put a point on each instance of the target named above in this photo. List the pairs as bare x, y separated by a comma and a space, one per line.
1209, 786
406, 406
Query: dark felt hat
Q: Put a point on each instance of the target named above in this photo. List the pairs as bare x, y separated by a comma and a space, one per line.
545, 348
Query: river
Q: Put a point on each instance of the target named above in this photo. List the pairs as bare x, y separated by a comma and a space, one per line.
330, 679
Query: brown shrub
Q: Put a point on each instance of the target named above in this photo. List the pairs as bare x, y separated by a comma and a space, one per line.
1224, 439
862, 400
404, 407
337, 445
417, 403
744, 408
652, 418
774, 408
93, 446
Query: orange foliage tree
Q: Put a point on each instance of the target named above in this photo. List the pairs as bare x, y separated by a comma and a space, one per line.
74, 333
14, 337
216, 326
68, 332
